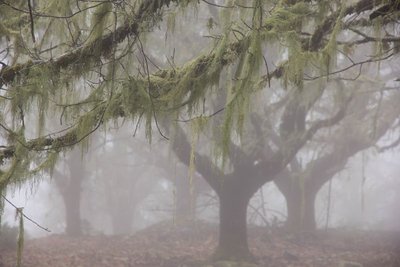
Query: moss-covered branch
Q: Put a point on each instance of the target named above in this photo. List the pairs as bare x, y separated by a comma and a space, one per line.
95, 49
273, 164
317, 38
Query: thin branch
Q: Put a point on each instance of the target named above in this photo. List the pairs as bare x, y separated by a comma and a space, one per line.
48, 15
148, 88
203, 116
216, 5
328, 208
32, 23
371, 60
103, 44
392, 145
24, 215
268, 75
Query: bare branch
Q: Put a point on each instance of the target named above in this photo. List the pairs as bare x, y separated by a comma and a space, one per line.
24, 215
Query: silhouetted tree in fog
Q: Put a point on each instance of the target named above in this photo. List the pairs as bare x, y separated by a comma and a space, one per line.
302, 179
247, 174
69, 183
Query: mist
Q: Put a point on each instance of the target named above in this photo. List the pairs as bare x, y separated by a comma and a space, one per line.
199, 133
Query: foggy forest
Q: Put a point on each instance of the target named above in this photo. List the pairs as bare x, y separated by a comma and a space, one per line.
199, 133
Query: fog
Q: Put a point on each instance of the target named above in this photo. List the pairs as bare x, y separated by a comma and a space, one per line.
199, 133
369, 203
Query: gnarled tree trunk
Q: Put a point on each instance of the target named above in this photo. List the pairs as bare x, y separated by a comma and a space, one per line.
300, 195
234, 198
72, 202
70, 187
300, 210
232, 242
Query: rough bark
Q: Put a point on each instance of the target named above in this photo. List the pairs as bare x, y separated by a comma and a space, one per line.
300, 198
72, 202
235, 189
70, 187
232, 242
300, 210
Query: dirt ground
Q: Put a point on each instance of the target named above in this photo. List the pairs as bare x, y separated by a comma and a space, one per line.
165, 245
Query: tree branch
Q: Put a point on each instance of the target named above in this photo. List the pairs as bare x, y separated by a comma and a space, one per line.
103, 44
203, 164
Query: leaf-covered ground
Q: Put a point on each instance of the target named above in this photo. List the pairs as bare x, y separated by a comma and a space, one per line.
164, 245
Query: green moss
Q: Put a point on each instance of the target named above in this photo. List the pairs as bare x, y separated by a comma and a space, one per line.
20, 240
99, 22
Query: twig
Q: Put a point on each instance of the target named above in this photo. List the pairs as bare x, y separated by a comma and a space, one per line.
268, 75
328, 208
49, 15
206, 116
392, 145
216, 5
24, 215
149, 89
32, 24
371, 60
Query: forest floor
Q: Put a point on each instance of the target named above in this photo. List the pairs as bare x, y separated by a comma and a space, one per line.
165, 245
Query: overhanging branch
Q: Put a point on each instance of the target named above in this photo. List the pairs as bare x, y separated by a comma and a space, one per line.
102, 44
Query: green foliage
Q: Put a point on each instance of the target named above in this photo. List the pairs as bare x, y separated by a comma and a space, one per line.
288, 18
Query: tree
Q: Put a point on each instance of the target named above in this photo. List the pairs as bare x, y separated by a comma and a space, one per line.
248, 173
121, 173
70, 186
188, 187
98, 69
125, 183
302, 179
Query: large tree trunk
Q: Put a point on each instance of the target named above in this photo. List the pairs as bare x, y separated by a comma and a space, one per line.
72, 201
301, 210
300, 202
232, 244
70, 189
73, 194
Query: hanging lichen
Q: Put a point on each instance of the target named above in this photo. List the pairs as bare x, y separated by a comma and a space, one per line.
99, 21
20, 241
246, 75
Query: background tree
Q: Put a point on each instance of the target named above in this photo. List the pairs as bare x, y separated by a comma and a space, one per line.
302, 179
69, 183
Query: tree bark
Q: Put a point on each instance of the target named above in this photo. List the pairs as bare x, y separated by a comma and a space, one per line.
73, 194
69, 186
300, 210
232, 244
72, 201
